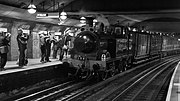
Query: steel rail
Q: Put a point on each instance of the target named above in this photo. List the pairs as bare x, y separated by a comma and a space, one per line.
72, 97
45, 91
132, 81
137, 81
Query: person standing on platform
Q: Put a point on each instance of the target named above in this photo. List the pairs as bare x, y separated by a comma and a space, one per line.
55, 48
22, 39
60, 44
66, 39
4, 43
47, 48
26, 51
42, 48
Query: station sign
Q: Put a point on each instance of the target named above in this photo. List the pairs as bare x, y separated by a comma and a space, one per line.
47, 15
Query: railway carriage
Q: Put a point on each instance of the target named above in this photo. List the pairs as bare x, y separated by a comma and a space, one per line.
170, 46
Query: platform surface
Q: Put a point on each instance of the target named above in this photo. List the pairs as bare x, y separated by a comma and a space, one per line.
174, 87
12, 66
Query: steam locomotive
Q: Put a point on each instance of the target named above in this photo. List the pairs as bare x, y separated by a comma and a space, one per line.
114, 51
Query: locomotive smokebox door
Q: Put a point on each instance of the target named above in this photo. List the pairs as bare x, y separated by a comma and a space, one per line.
86, 42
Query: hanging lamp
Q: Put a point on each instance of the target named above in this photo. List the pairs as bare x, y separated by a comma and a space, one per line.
32, 8
63, 14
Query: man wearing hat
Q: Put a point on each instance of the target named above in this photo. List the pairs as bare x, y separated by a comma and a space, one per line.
22, 39
42, 47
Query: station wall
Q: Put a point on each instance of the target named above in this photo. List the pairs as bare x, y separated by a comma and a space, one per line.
34, 29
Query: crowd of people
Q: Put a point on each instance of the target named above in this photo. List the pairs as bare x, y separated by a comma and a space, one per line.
46, 40
59, 47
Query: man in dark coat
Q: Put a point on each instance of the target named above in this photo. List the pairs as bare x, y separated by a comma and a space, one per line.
4, 42
60, 44
66, 39
22, 45
47, 48
42, 47
55, 48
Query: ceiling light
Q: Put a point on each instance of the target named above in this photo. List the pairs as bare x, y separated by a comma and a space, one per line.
63, 15
83, 20
32, 8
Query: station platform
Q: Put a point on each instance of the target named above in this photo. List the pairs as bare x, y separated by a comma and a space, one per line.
15, 79
12, 66
174, 86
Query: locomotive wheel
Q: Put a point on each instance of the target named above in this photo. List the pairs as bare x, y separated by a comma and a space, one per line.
112, 72
85, 74
120, 68
103, 75
129, 62
125, 66
82, 74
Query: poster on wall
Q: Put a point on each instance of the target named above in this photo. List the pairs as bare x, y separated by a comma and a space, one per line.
3, 29
43, 32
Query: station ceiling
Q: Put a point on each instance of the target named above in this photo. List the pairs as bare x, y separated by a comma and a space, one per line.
153, 15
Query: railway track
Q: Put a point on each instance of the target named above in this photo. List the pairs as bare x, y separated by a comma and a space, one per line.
138, 87
104, 90
146, 87
55, 91
88, 90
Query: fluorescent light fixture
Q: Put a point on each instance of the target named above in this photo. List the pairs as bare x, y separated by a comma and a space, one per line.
32, 9
63, 15
83, 20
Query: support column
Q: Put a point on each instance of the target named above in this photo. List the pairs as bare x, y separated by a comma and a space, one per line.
36, 48
14, 45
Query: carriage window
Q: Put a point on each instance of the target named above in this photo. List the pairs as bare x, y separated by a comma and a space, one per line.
142, 48
155, 43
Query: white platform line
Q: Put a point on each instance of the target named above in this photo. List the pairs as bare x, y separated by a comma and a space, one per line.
168, 98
